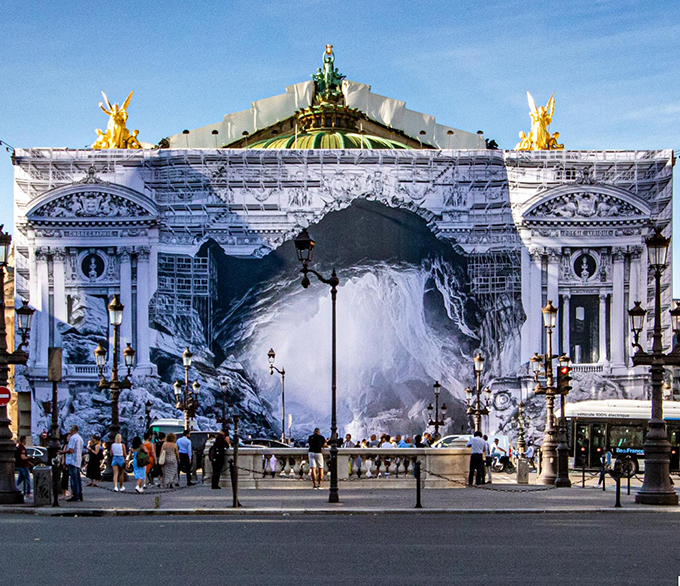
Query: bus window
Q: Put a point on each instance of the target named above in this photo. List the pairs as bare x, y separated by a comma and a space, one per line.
623, 438
597, 443
674, 438
582, 440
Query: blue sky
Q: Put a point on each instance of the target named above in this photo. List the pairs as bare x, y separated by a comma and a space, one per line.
613, 65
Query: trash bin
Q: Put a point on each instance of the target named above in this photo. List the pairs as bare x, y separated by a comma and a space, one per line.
42, 486
522, 471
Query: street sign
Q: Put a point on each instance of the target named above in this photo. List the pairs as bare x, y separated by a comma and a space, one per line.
5, 396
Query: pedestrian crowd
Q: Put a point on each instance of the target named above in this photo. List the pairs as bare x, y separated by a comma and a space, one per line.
152, 460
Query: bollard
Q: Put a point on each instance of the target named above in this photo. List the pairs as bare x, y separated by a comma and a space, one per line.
522, 471
42, 486
628, 489
583, 471
616, 475
417, 475
158, 502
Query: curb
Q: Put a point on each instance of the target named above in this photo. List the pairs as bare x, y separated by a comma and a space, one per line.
63, 512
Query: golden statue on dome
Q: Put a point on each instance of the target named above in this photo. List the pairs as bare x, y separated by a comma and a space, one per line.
539, 138
117, 136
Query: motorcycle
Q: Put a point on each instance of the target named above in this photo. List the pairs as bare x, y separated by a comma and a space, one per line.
503, 464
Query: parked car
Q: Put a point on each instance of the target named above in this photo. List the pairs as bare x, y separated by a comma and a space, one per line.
263, 442
447, 440
37, 455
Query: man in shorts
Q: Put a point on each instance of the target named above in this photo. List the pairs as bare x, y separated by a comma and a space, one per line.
316, 443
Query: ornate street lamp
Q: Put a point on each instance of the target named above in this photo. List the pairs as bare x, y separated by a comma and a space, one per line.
304, 247
187, 396
521, 441
475, 407
656, 488
437, 422
9, 494
543, 364
114, 384
271, 356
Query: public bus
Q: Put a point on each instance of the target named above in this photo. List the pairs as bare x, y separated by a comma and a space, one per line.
620, 425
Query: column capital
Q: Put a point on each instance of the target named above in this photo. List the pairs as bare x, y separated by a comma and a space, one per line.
636, 252
554, 254
41, 253
59, 254
618, 254
143, 253
603, 297
124, 254
536, 253
566, 294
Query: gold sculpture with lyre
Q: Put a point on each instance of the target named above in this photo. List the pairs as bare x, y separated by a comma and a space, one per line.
539, 138
117, 136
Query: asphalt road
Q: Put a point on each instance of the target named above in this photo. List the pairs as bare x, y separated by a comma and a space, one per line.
390, 550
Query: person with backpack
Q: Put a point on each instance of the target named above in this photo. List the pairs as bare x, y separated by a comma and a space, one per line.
140, 459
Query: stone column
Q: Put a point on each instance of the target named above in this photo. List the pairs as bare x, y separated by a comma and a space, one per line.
603, 329
553, 292
126, 296
526, 350
143, 334
566, 324
59, 278
535, 341
618, 311
41, 326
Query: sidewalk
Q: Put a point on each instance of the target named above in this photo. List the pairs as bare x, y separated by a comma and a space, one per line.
295, 498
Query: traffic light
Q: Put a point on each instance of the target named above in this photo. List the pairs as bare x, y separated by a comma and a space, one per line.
564, 376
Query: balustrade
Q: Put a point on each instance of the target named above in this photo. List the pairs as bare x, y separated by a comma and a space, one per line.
271, 467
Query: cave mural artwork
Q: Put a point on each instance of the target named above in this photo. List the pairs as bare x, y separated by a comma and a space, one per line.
443, 247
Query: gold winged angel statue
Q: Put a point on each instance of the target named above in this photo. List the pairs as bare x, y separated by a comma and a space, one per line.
117, 136
539, 138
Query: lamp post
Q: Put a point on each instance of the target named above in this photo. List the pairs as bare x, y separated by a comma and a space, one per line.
436, 421
563, 388
186, 396
542, 364
521, 441
271, 356
304, 247
474, 399
9, 494
224, 383
656, 488
114, 384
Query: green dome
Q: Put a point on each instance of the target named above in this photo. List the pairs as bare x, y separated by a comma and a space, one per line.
328, 139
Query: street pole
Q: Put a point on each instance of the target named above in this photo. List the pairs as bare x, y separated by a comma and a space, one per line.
548, 473
9, 493
114, 384
656, 488
521, 442
437, 421
271, 356
474, 402
234, 476
304, 247
54, 373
